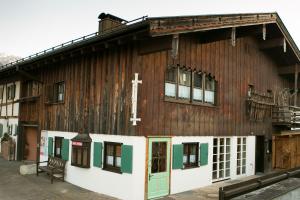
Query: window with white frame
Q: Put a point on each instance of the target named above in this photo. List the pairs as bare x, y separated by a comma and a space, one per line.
11, 90
183, 84
171, 83
241, 156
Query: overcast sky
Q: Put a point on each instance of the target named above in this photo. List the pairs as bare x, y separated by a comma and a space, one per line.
30, 26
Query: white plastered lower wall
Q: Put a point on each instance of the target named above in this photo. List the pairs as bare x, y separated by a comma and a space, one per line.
188, 179
123, 186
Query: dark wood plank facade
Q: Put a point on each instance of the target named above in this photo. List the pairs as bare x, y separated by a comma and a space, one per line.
98, 89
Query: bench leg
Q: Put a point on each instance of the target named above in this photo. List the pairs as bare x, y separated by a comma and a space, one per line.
51, 178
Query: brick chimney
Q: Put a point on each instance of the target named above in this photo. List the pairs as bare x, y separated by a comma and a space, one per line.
108, 22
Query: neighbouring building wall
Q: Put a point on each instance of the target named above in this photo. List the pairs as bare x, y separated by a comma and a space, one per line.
123, 186
9, 112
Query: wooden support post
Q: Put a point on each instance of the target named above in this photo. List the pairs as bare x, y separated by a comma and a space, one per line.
284, 45
264, 31
233, 36
296, 85
175, 45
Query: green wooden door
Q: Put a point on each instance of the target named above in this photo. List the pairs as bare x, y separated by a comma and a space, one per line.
158, 167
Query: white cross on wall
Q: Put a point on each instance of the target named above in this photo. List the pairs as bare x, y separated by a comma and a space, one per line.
135, 83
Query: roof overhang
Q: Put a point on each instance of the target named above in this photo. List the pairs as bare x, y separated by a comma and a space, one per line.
186, 24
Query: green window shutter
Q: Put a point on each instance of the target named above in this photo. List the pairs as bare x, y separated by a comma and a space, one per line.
50, 146
1, 130
97, 154
126, 159
177, 162
204, 154
65, 149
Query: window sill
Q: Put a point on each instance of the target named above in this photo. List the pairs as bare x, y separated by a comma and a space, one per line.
29, 98
114, 170
195, 103
80, 166
54, 103
190, 167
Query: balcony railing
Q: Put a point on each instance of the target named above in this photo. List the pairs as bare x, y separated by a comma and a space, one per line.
286, 116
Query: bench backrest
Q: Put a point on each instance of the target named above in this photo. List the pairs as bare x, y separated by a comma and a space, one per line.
56, 162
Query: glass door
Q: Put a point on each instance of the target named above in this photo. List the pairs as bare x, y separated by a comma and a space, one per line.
241, 156
221, 159
158, 167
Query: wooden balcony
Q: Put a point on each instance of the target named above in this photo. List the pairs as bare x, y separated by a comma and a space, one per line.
286, 116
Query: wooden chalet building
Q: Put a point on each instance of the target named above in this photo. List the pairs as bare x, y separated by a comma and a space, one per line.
157, 106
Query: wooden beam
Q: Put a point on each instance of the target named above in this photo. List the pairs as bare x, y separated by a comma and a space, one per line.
296, 84
264, 31
272, 43
175, 45
233, 36
286, 70
27, 75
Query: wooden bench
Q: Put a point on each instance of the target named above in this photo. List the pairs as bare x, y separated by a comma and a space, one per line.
55, 168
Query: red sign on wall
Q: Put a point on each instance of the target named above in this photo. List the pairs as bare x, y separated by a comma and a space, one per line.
77, 143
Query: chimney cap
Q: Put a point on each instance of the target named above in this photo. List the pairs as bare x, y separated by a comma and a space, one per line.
109, 16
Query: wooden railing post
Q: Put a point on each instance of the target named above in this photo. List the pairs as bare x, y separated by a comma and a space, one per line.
296, 85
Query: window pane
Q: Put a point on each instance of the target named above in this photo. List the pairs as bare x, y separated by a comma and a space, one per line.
228, 164
221, 141
215, 158
238, 171
243, 169
215, 174
85, 157
154, 149
198, 94
162, 149
209, 83
118, 161
215, 166
74, 153
154, 165
184, 78
215, 141
227, 141
79, 156
184, 158
109, 150
170, 89
221, 174
209, 97
171, 75
118, 150
193, 158
183, 92
198, 80
162, 165
110, 160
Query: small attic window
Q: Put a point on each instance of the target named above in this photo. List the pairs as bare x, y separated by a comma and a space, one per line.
81, 150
